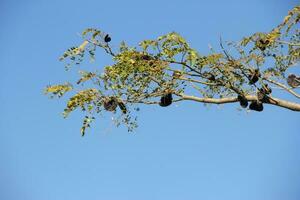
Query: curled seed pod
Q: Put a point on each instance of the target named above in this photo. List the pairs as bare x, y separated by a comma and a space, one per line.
166, 100
254, 76
243, 101
110, 104
257, 106
293, 80
107, 38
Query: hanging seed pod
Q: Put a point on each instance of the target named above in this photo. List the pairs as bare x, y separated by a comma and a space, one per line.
243, 101
110, 104
257, 106
211, 77
254, 76
262, 48
166, 100
107, 38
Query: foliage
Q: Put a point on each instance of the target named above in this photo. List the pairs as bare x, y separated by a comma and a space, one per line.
159, 69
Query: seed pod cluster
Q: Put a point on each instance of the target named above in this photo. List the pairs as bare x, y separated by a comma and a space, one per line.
262, 96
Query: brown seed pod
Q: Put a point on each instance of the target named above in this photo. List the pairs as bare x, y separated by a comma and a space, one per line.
243, 101
146, 57
107, 38
110, 104
262, 48
166, 100
211, 77
254, 76
257, 106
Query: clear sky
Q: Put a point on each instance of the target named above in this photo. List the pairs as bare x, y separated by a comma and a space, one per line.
186, 151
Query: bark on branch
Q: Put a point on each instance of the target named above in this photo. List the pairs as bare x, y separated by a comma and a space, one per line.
273, 101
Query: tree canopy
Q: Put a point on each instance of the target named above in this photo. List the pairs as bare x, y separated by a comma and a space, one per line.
167, 69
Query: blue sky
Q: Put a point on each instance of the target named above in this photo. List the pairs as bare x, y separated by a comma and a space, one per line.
186, 151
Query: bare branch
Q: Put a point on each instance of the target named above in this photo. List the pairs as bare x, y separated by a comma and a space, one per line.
273, 101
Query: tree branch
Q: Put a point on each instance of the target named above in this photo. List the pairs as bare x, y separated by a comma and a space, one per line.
283, 87
273, 101
196, 81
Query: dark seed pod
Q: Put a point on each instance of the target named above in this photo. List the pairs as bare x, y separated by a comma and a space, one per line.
293, 80
266, 89
166, 100
107, 38
262, 43
267, 42
257, 106
146, 57
262, 48
254, 76
243, 101
122, 107
110, 104
211, 77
